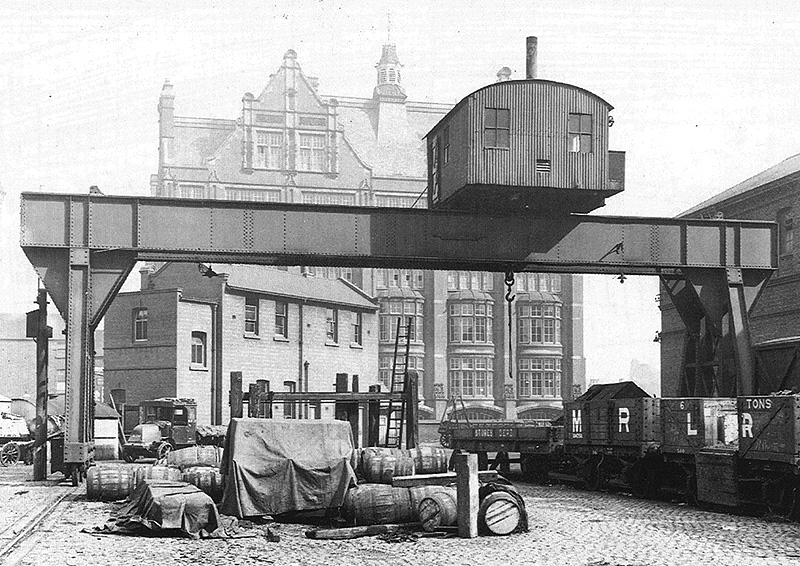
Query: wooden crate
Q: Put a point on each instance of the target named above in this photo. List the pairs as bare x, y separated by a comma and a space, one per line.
769, 428
717, 477
689, 424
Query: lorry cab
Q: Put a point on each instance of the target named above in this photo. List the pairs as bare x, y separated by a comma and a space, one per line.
176, 418
164, 425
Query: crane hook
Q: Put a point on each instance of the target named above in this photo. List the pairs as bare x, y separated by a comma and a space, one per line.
509, 285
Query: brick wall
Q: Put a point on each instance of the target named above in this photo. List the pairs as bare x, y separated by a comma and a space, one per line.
146, 369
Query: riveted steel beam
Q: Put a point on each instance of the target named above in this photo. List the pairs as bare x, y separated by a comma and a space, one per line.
276, 233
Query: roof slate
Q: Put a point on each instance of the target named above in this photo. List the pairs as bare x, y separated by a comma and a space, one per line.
291, 285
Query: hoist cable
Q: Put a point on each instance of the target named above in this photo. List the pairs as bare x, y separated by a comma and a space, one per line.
509, 299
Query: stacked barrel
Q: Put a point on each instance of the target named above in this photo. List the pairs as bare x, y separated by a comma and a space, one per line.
197, 465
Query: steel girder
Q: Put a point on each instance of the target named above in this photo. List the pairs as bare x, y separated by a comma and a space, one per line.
84, 246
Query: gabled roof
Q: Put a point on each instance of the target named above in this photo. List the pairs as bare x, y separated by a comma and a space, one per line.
786, 168
293, 286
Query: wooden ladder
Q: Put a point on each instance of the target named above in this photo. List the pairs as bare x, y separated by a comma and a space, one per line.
395, 413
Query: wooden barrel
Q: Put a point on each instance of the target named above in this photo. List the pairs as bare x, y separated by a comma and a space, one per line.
109, 483
499, 512
207, 478
382, 466
194, 456
438, 510
156, 473
420, 492
431, 459
377, 504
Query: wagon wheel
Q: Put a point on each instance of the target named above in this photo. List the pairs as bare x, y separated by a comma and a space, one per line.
781, 497
9, 454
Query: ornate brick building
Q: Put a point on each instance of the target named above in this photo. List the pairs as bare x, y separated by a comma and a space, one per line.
292, 144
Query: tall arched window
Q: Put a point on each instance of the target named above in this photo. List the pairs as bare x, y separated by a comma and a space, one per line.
140, 324
199, 349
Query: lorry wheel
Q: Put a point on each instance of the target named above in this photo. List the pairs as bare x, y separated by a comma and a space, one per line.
163, 450
9, 454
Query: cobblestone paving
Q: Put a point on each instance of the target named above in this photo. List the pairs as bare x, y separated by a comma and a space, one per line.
568, 527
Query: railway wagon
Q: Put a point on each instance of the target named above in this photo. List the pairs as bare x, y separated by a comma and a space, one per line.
611, 433
533, 440
689, 426
768, 456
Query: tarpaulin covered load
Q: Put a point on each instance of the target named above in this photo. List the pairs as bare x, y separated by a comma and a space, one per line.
171, 506
277, 466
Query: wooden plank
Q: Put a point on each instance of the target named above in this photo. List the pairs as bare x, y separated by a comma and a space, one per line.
346, 533
467, 494
439, 479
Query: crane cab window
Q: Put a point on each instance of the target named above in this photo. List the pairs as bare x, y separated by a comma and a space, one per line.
580, 133
496, 127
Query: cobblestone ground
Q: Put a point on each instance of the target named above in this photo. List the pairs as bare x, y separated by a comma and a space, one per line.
568, 527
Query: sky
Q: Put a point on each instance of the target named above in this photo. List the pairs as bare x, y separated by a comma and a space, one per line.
704, 95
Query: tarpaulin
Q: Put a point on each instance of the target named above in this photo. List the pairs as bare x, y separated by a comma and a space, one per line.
278, 466
166, 507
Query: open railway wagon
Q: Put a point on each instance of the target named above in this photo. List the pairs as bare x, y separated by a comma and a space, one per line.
532, 440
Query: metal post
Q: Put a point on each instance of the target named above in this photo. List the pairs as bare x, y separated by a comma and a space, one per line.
412, 409
43, 333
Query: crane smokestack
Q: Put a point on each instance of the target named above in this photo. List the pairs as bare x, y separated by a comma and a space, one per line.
530, 58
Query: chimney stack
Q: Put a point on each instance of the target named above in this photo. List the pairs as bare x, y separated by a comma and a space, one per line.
530, 59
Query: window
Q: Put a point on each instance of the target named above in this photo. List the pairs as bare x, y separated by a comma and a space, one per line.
539, 377
477, 280
331, 272
401, 311
446, 145
282, 319
785, 231
140, 324
357, 328
289, 407
199, 349
470, 322
538, 323
251, 316
496, 127
312, 152
270, 149
471, 376
579, 131
332, 322
328, 197
385, 371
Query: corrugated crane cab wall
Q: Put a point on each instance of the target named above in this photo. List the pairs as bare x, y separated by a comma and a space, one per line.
769, 428
690, 424
472, 164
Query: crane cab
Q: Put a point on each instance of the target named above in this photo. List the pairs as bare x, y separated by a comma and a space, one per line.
524, 145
